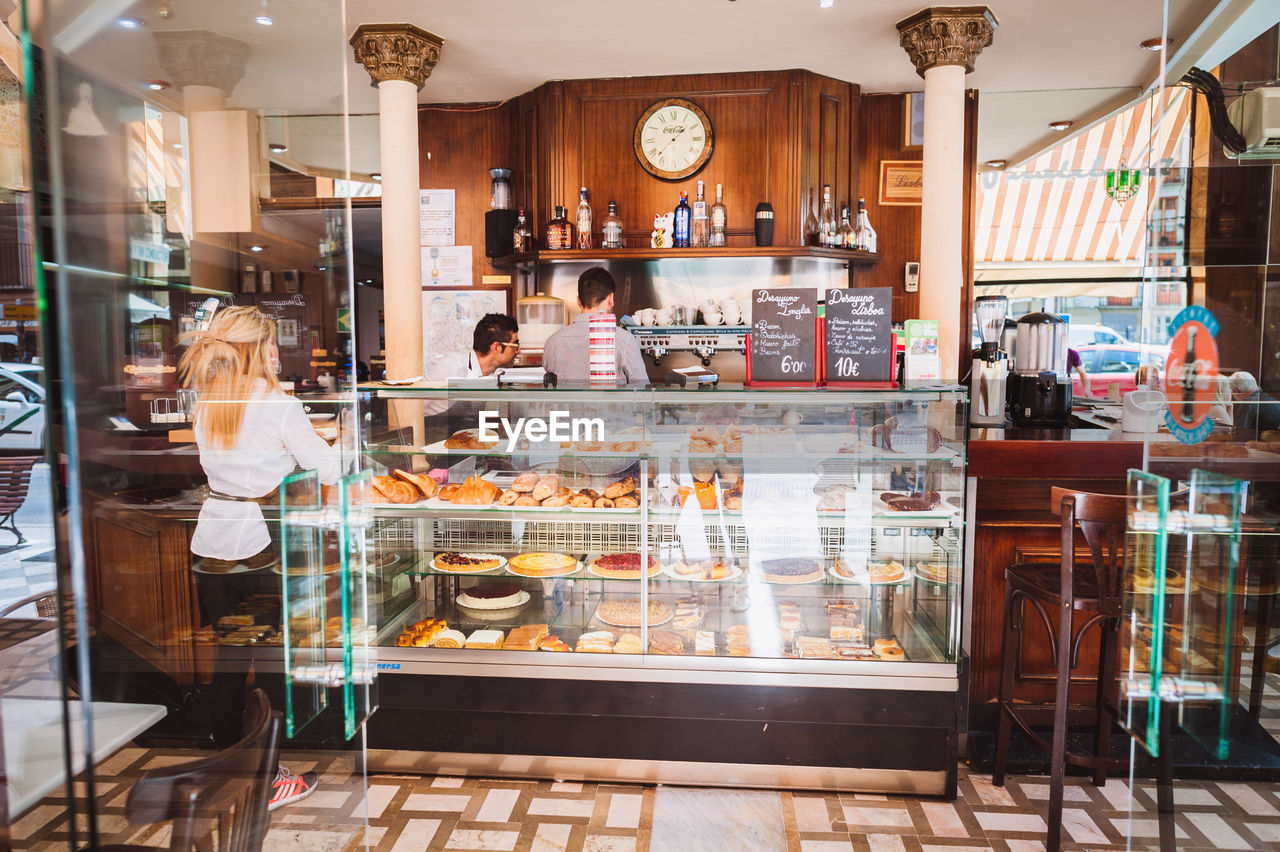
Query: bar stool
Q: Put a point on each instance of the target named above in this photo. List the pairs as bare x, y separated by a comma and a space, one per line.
1094, 591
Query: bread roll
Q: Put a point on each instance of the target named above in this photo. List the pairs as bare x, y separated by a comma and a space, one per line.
547, 486
622, 486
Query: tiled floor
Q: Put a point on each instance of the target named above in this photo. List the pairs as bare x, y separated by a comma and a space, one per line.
444, 814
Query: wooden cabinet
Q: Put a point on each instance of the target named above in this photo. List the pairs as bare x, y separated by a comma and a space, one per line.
139, 560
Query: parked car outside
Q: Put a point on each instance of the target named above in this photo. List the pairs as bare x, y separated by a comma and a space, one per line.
1093, 335
1115, 365
22, 409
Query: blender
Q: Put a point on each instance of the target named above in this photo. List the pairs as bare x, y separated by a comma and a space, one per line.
988, 376
500, 219
1041, 393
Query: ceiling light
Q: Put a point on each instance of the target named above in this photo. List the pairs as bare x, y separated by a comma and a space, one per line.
1059, 125
377, 176
264, 14
1152, 44
826, 4
157, 85
997, 164
130, 23
257, 248
277, 148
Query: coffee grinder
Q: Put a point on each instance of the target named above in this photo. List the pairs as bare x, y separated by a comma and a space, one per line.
990, 370
1041, 392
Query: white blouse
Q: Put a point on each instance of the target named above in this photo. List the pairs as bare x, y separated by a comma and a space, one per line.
275, 438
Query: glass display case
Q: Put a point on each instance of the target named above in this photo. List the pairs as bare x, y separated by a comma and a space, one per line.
725, 537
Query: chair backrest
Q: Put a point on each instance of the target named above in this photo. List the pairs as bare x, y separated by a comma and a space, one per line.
1102, 519
15, 479
225, 794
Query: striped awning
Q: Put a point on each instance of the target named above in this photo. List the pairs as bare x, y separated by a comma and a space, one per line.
1055, 208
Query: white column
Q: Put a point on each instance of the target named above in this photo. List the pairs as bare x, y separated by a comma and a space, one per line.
943, 210
401, 255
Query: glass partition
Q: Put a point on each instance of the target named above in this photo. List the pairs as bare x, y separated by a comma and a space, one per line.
160, 150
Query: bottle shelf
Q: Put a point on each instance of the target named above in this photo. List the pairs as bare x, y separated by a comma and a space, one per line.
849, 256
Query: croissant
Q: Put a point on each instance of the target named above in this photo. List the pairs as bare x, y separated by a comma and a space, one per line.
395, 490
425, 484
475, 492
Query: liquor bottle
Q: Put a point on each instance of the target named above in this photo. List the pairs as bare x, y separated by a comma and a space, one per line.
683, 215
612, 232
810, 223
719, 218
522, 237
700, 228
584, 220
864, 236
844, 236
826, 220
559, 231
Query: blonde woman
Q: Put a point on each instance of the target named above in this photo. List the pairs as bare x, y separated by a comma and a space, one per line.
251, 435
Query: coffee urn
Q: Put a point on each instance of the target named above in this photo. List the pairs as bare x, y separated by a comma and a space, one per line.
1041, 390
989, 374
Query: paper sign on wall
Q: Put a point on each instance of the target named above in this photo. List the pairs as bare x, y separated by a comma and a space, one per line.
435, 217
922, 361
446, 266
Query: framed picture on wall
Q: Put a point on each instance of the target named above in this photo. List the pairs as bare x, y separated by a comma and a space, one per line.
449, 316
913, 120
901, 183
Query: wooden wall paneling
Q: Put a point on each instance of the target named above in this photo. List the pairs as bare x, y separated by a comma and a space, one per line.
458, 145
749, 116
897, 228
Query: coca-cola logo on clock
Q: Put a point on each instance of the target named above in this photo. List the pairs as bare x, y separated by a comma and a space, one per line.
1191, 374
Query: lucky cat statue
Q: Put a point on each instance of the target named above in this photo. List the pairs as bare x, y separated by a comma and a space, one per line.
663, 230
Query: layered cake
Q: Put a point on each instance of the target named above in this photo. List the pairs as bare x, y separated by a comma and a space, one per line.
542, 564
493, 596
622, 566
792, 570
485, 639
458, 563
526, 638
703, 569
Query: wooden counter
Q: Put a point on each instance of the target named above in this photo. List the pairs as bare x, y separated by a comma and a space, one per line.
1011, 522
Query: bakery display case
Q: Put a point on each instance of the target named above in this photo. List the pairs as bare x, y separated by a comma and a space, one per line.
756, 587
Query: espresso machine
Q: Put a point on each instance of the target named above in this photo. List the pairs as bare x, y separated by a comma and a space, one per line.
989, 374
1040, 395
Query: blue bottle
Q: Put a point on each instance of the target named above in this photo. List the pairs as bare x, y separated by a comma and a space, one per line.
683, 217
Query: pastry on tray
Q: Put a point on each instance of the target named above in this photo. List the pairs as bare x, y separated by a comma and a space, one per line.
469, 439
626, 613
508, 497
460, 563
596, 642
919, 501
396, 490
623, 486
666, 643
886, 572
792, 570
547, 486
627, 501
451, 639
553, 643
526, 638
933, 571
448, 491
425, 484
628, 643
525, 482
485, 639
623, 566
539, 564
703, 569
475, 492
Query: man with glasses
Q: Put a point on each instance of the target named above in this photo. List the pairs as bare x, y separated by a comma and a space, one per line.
494, 345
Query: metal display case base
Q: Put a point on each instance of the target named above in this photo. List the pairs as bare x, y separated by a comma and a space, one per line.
857, 740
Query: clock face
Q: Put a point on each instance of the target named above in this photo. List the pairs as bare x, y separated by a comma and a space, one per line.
673, 139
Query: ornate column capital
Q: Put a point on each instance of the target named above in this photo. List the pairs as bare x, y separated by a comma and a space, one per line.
947, 35
396, 52
201, 58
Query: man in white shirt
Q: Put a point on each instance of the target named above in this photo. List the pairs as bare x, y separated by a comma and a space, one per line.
494, 344
566, 351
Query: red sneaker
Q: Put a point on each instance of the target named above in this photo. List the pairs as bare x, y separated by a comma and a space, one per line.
289, 787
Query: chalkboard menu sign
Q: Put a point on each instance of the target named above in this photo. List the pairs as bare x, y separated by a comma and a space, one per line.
784, 336
858, 337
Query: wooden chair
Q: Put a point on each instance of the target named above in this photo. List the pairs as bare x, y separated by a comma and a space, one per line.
222, 798
15, 480
1096, 592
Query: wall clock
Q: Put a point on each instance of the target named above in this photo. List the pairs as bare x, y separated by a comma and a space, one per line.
673, 139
